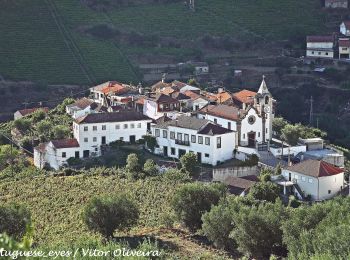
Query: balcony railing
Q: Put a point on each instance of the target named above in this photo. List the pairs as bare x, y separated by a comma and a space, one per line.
181, 142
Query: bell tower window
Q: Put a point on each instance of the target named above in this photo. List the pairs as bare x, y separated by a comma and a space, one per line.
267, 100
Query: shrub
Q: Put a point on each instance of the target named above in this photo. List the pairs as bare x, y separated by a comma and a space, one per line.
265, 191
218, 224
150, 168
22, 124
133, 167
189, 163
14, 219
192, 200
107, 214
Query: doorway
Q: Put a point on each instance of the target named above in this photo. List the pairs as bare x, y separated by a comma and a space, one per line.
251, 139
103, 141
165, 151
132, 139
86, 153
181, 153
199, 157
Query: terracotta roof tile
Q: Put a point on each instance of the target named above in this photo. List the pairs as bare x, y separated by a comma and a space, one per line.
223, 111
29, 111
315, 168
65, 143
223, 97
320, 38
245, 96
344, 43
121, 116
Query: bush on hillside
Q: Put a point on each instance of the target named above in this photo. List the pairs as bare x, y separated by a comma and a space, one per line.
192, 200
265, 191
107, 214
189, 163
14, 219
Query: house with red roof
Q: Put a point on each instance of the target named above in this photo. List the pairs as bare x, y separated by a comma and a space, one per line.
54, 154
345, 28
28, 111
100, 93
315, 179
344, 48
320, 46
244, 98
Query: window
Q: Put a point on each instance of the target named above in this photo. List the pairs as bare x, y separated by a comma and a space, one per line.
96, 149
117, 126
207, 141
132, 125
157, 132
64, 154
86, 140
218, 142
303, 178
103, 127
172, 135
206, 155
186, 138
94, 139
335, 179
94, 128
243, 136
329, 191
215, 121
311, 180
165, 134
193, 138
229, 125
125, 126
121, 138
258, 134
179, 136
319, 53
266, 130
313, 52
138, 125
327, 53
86, 128
172, 151
200, 139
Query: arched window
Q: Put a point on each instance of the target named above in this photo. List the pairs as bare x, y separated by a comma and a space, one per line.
266, 100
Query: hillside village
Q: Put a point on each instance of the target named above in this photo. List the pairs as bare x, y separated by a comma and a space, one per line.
219, 133
225, 131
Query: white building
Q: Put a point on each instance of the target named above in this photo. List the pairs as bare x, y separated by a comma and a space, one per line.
212, 143
81, 107
54, 154
156, 106
344, 48
93, 131
317, 179
101, 92
336, 4
320, 46
28, 111
253, 124
345, 28
196, 101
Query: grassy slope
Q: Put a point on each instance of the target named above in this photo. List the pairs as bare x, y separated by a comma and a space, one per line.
31, 46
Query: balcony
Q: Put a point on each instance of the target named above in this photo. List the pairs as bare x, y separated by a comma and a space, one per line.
181, 142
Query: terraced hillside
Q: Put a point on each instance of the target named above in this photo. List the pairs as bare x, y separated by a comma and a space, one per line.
46, 40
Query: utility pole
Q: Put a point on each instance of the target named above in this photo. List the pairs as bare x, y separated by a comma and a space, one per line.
311, 119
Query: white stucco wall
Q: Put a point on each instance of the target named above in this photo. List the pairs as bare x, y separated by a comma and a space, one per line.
317, 187
246, 128
215, 154
54, 157
112, 133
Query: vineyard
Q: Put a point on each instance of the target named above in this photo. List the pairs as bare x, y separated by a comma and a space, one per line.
46, 41
56, 204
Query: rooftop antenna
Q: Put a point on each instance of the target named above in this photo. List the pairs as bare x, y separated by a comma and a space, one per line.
311, 119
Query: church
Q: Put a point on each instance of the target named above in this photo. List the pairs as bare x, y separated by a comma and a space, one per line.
250, 116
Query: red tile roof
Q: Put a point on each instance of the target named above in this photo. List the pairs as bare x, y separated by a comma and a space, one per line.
65, 143
344, 43
223, 111
82, 103
111, 87
245, 96
192, 95
223, 97
29, 111
320, 38
315, 168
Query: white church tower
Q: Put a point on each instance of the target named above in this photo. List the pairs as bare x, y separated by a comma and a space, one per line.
264, 105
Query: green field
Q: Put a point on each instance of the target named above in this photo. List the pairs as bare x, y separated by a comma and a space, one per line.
42, 40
